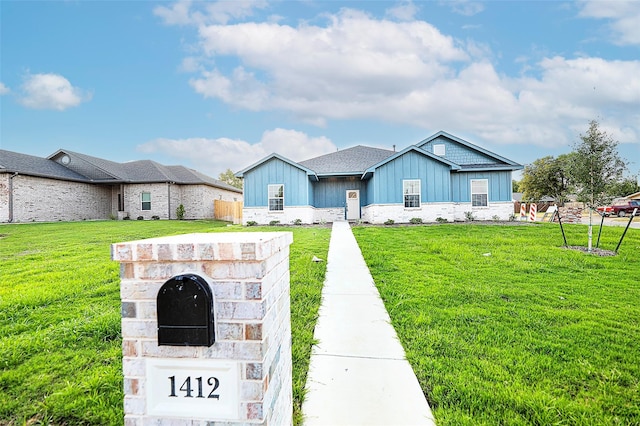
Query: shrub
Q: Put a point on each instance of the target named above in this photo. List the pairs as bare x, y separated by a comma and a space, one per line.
297, 222
140, 217
251, 223
469, 216
415, 220
495, 218
126, 218
180, 212
389, 222
274, 222
441, 220
155, 217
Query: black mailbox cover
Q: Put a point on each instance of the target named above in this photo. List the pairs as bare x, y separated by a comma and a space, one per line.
185, 312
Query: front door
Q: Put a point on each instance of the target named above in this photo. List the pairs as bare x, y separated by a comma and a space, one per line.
353, 204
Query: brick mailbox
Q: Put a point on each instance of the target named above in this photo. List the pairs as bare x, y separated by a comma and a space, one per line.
206, 329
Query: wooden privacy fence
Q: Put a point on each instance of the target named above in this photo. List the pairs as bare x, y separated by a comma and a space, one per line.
229, 211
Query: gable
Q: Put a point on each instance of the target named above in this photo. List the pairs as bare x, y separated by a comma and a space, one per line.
458, 153
14, 162
275, 170
466, 154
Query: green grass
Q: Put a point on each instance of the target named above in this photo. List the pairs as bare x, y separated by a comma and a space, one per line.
60, 343
503, 326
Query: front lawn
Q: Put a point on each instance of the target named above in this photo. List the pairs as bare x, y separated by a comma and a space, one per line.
60, 343
500, 323
503, 326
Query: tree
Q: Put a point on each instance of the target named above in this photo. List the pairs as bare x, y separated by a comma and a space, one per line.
624, 187
546, 176
515, 185
594, 167
229, 178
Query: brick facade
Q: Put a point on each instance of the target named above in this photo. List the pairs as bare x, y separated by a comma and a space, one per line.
38, 199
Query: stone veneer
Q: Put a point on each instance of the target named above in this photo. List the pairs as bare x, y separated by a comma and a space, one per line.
380, 213
249, 276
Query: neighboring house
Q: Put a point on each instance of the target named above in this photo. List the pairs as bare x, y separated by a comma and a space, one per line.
634, 196
441, 177
70, 186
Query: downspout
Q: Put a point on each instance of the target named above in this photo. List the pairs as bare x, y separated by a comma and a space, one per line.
169, 200
11, 196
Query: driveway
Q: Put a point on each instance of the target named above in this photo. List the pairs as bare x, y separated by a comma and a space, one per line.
614, 221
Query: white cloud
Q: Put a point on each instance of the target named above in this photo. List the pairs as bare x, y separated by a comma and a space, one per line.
357, 66
51, 91
178, 14
221, 12
465, 7
404, 11
3, 89
343, 70
623, 16
212, 156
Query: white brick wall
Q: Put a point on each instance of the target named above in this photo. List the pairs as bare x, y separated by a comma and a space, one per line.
4, 197
38, 199
379, 213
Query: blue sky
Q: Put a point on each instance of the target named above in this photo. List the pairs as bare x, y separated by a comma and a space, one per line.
217, 85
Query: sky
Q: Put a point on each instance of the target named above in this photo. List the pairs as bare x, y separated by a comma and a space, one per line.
220, 85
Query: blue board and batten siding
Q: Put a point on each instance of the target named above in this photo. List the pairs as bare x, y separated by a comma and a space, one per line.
332, 192
499, 185
385, 187
297, 188
444, 164
458, 153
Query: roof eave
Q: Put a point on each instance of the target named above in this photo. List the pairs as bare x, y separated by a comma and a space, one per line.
309, 172
492, 168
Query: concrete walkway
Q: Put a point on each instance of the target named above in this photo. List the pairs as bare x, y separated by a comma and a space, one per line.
358, 373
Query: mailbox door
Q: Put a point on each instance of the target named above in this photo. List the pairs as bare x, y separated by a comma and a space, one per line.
186, 312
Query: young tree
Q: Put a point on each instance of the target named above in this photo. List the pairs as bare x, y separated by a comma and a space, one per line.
229, 178
546, 176
594, 167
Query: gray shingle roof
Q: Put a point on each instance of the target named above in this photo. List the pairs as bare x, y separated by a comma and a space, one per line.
347, 161
98, 170
15, 162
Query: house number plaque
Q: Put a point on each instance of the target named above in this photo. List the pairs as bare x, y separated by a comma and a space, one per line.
190, 388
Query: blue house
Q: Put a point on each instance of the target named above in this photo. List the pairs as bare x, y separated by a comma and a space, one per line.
442, 176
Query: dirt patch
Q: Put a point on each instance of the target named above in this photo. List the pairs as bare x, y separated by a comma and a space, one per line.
595, 251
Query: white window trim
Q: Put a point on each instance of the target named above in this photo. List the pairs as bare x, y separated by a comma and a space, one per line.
404, 202
486, 184
269, 197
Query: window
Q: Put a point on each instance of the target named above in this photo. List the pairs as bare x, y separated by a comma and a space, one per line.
439, 149
146, 201
479, 192
411, 192
276, 197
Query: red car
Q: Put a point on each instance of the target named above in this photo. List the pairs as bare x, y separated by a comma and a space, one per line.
624, 208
